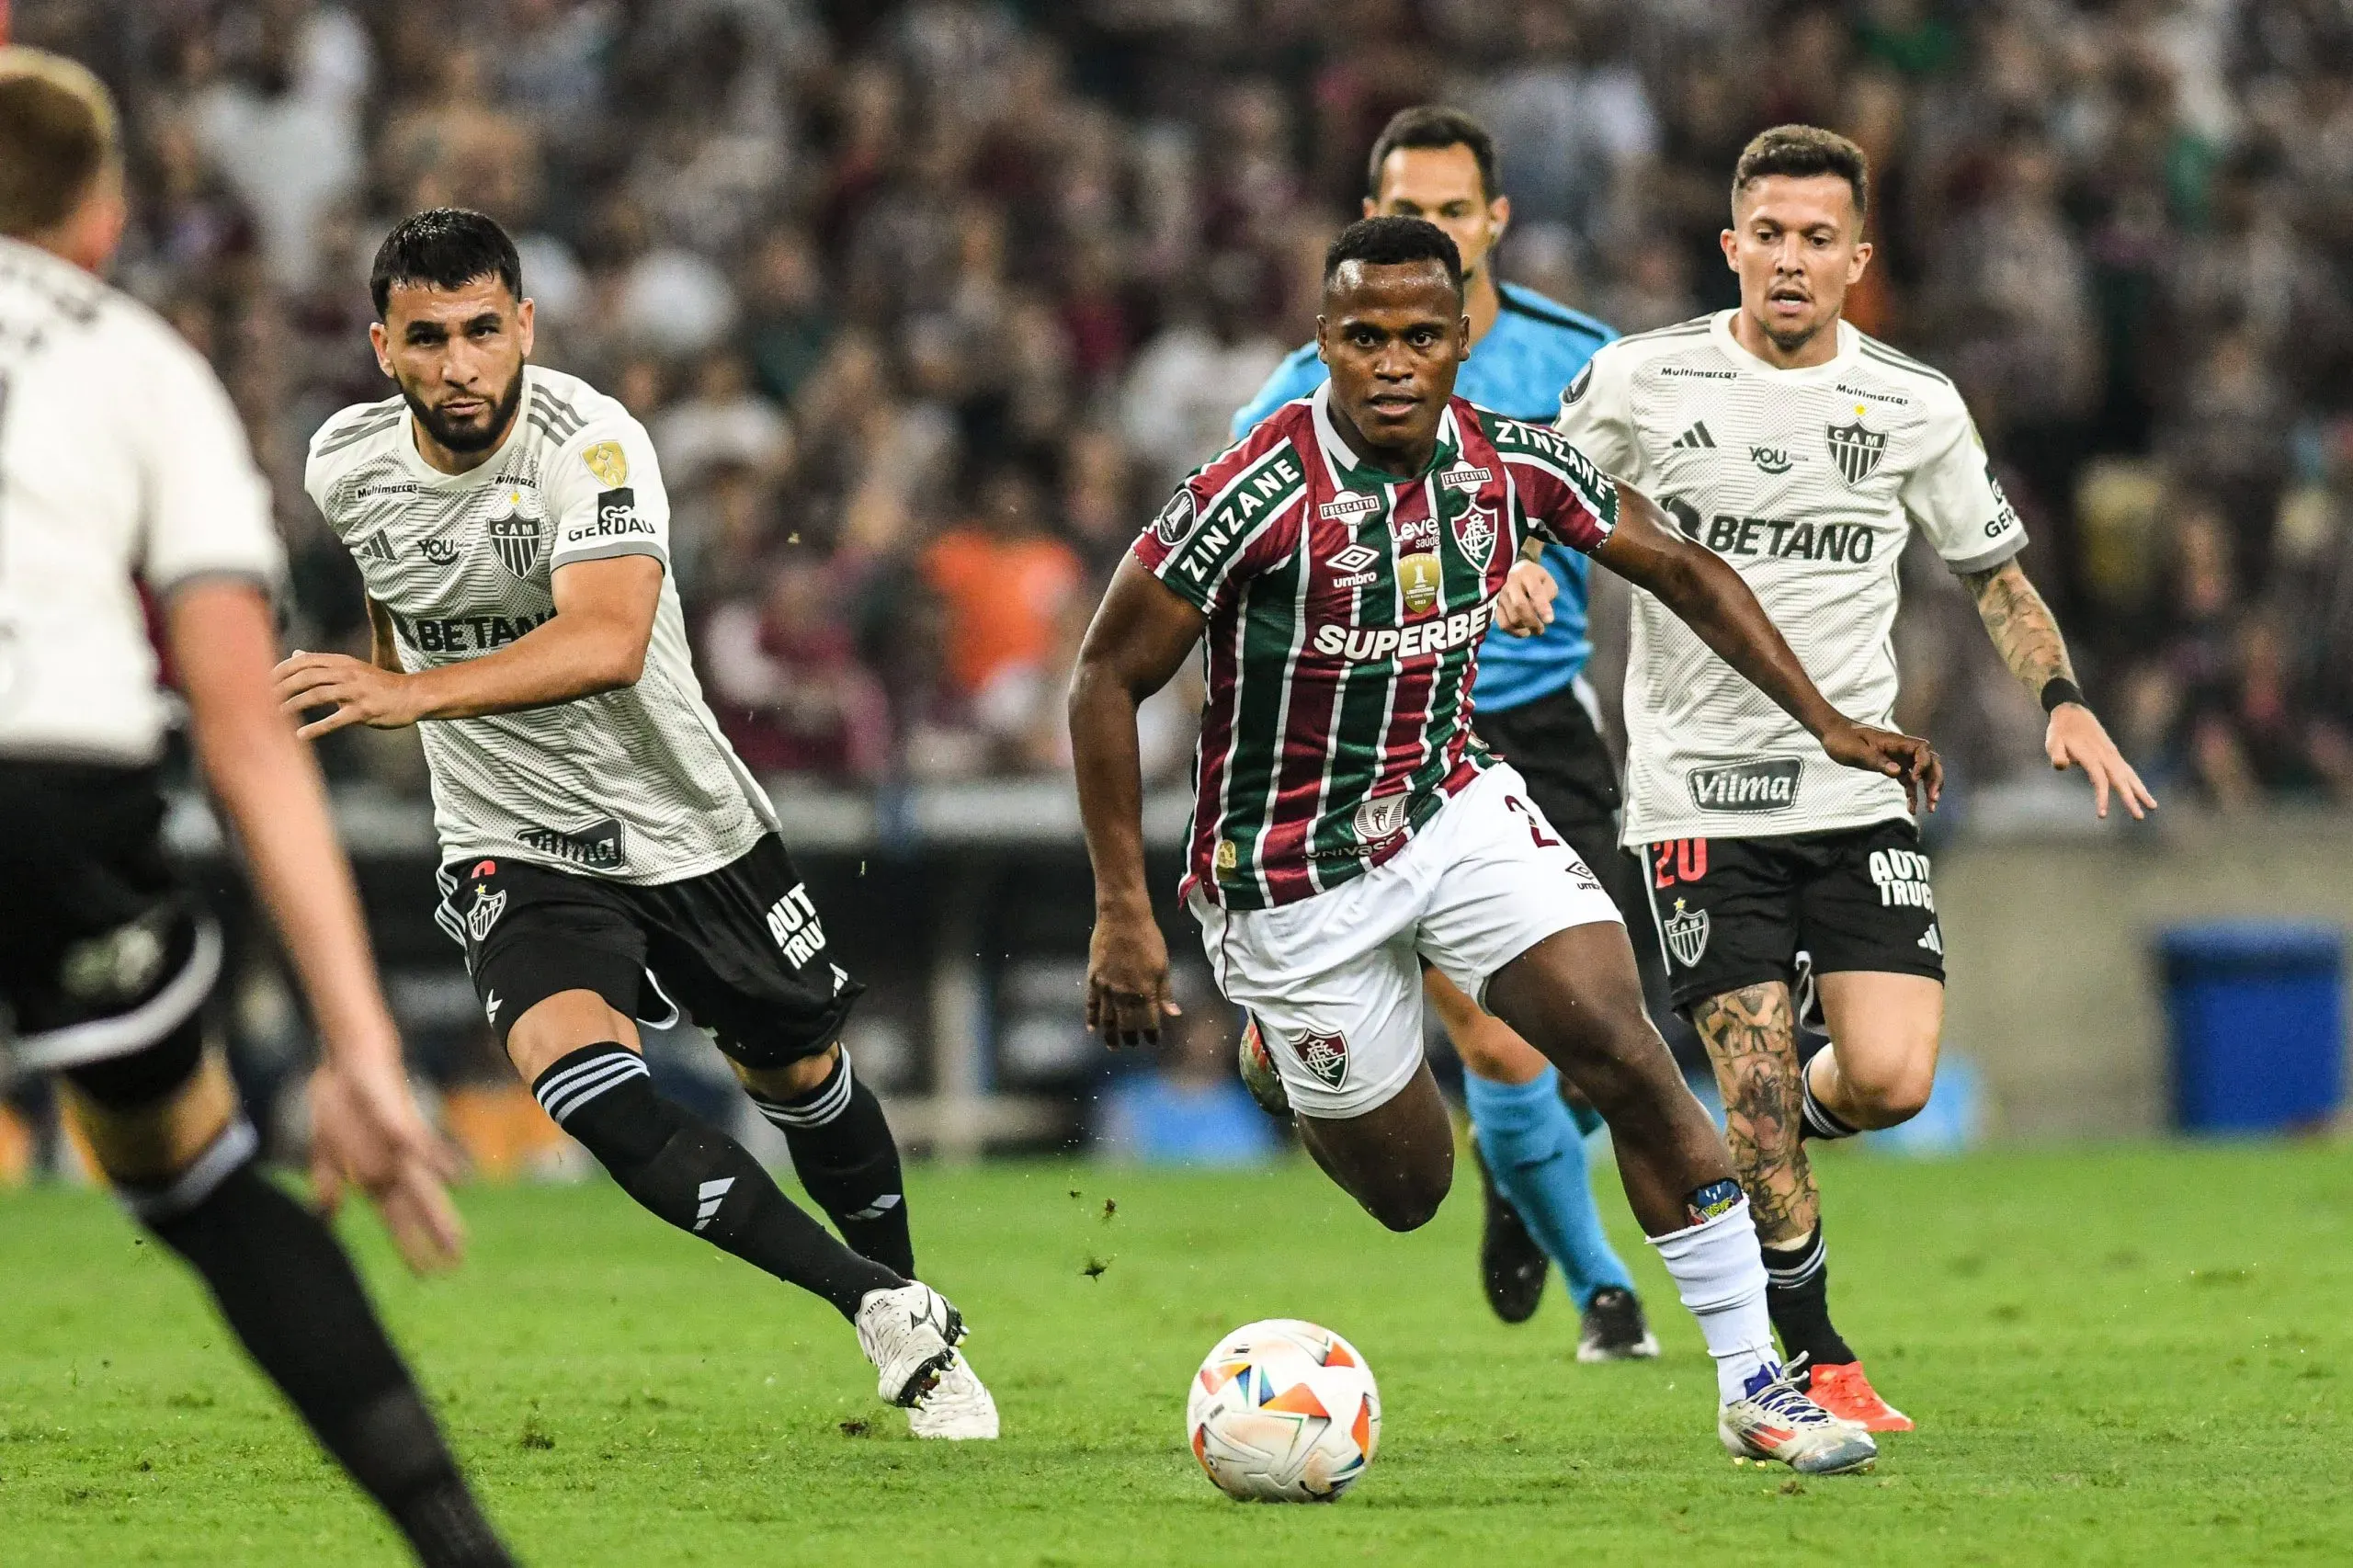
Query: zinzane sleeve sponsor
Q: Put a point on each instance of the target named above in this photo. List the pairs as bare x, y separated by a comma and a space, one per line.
1564, 495
1217, 529
208, 507
603, 490
1953, 497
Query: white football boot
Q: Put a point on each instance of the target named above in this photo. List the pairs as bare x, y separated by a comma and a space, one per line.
957, 1409
910, 1335
1774, 1420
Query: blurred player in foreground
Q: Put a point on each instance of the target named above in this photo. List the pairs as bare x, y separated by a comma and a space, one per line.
1342, 562
606, 851
1537, 709
123, 464
1804, 452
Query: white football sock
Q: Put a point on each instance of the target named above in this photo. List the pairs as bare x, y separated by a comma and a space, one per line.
1720, 1274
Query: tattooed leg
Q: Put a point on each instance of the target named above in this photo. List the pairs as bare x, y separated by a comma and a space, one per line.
1751, 1035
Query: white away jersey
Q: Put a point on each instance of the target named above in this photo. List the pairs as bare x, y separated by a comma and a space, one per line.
121, 461
1809, 482
637, 785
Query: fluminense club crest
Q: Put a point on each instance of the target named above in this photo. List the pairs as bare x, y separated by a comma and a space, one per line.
1475, 531
1687, 934
1324, 1055
1857, 450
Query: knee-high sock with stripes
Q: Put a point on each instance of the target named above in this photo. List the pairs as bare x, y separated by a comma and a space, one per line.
690, 1173
290, 1296
844, 1153
1537, 1156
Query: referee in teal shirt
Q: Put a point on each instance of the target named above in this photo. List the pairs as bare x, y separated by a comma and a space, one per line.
1534, 707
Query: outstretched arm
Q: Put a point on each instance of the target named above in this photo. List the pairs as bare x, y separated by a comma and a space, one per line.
594, 642
1140, 635
2027, 636
1709, 596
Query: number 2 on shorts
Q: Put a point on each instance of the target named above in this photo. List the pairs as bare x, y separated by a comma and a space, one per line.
1535, 823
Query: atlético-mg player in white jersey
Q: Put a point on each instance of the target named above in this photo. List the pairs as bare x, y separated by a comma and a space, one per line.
607, 857
1339, 566
1804, 452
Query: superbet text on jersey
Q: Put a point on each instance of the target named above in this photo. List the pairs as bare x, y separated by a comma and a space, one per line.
1345, 607
1809, 482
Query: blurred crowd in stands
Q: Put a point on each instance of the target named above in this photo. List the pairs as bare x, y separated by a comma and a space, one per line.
927, 305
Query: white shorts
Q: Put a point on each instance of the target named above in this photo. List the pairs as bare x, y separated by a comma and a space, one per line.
1335, 980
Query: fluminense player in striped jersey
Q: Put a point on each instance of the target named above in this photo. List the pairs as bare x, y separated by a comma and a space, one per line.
1342, 564
1538, 710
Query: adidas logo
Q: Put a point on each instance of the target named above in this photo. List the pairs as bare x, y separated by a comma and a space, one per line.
1695, 437
377, 547
876, 1209
710, 1195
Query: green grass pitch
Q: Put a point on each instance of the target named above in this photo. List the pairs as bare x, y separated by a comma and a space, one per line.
2124, 1356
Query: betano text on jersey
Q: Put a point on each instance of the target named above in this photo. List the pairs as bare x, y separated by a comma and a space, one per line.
1809, 482
636, 784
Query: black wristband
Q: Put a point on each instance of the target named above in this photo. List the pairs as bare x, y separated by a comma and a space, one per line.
2059, 689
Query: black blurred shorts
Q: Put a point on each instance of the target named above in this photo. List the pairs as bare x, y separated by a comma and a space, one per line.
105, 955
740, 949
1732, 913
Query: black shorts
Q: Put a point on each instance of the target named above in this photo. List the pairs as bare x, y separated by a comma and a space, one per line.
103, 952
1553, 744
740, 949
1738, 912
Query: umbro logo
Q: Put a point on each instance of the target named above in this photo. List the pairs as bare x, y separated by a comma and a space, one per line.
1356, 558
1696, 437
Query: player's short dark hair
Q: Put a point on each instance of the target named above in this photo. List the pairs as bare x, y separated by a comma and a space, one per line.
57, 133
1394, 242
1799, 152
447, 247
1434, 125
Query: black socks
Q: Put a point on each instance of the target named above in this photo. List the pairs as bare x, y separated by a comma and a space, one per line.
290, 1296
696, 1176
844, 1154
1797, 1293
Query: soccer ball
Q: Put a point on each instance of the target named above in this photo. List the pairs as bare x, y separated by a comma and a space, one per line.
1284, 1412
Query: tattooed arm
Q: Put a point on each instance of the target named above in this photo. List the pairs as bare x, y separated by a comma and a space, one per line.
2027, 638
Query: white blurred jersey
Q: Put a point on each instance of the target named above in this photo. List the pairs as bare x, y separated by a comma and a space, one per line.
638, 784
1809, 482
121, 463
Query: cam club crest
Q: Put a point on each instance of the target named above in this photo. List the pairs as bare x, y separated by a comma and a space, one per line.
1857, 450
488, 907
515, 538
1324, 1055
1475, 531
1687, 934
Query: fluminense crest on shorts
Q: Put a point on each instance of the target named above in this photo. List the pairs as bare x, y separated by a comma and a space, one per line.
1687, 934
1857, 450
1380, 817
1324, 1055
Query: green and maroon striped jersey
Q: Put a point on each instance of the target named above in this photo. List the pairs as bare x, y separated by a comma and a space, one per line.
1345, 607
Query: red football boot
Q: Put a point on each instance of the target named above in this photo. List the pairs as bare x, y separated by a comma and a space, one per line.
1843, 1391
